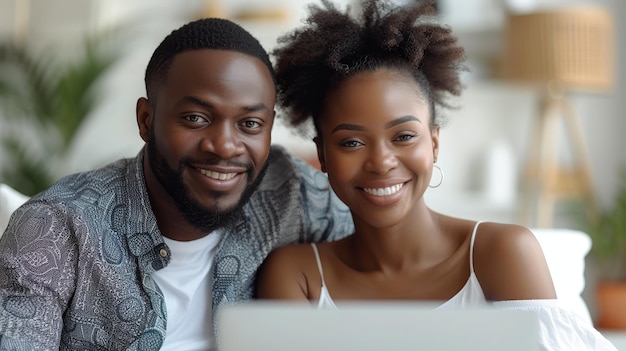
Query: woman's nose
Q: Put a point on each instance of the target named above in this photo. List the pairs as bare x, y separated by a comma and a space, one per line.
381, 159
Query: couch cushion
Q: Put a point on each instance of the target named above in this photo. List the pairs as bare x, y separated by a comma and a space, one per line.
10, 200
565, 251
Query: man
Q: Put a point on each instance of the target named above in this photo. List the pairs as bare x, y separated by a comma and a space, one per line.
138, 255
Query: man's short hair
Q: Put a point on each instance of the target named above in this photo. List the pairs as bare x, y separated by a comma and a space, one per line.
206, 33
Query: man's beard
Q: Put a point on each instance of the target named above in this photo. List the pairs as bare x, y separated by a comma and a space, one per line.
203, 218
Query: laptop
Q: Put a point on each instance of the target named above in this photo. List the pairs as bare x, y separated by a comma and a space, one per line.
369, 326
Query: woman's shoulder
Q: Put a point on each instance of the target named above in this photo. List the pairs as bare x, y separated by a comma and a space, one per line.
296, 257
493, 242
509, 263
287, 272
291, 253
503, 236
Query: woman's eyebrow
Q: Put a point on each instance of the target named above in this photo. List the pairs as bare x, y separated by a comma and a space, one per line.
401, 120
391, 124
346, 126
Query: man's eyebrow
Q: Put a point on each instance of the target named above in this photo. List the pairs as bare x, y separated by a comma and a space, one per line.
194, 100
388, 125
197, 101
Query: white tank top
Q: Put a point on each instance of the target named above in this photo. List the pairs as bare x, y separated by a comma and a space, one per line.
470, 295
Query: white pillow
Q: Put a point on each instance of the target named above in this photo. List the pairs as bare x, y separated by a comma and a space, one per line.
565, 251
10, 200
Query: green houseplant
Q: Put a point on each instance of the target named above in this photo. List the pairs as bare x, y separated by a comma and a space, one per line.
608, 232
44, 101
608, 256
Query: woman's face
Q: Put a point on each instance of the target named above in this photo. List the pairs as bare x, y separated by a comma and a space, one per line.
377, 145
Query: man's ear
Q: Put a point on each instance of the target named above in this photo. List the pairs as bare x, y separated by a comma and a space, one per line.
435, 140
320, 153
144, 115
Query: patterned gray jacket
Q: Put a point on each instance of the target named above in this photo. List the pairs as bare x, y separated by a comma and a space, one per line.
76, 260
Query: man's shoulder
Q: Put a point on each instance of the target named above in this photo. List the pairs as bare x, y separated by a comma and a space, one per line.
279, 158
284, 167
88, 186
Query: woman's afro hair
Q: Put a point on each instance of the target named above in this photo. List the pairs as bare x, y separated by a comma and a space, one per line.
332, 46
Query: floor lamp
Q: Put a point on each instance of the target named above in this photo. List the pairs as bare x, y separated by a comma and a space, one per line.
558, 51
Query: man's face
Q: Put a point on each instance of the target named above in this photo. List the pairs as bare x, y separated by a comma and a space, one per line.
209, 132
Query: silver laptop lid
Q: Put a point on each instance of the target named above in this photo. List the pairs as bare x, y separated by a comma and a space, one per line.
365, 326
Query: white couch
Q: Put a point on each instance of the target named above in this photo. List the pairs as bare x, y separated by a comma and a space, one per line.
565, 252
9, 201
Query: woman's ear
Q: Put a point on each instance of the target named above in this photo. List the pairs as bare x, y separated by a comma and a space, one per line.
320, 153
435, 140
144, 116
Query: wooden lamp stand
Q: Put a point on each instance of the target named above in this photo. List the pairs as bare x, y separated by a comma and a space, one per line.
568, 48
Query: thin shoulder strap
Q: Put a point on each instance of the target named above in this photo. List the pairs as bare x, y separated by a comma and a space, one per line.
472, 240
319, 262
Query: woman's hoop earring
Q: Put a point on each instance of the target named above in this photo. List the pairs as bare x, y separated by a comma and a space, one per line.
440, 179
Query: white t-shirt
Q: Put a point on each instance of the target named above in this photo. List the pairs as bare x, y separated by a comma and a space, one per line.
186, 286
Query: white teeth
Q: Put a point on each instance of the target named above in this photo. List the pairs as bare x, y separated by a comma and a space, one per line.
384, 191
217, 175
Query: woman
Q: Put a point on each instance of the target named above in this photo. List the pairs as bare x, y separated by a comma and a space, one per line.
373, 88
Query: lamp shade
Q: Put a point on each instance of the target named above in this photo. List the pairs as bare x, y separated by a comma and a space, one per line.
573, 47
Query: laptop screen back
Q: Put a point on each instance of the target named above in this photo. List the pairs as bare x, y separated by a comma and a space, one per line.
282, 326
